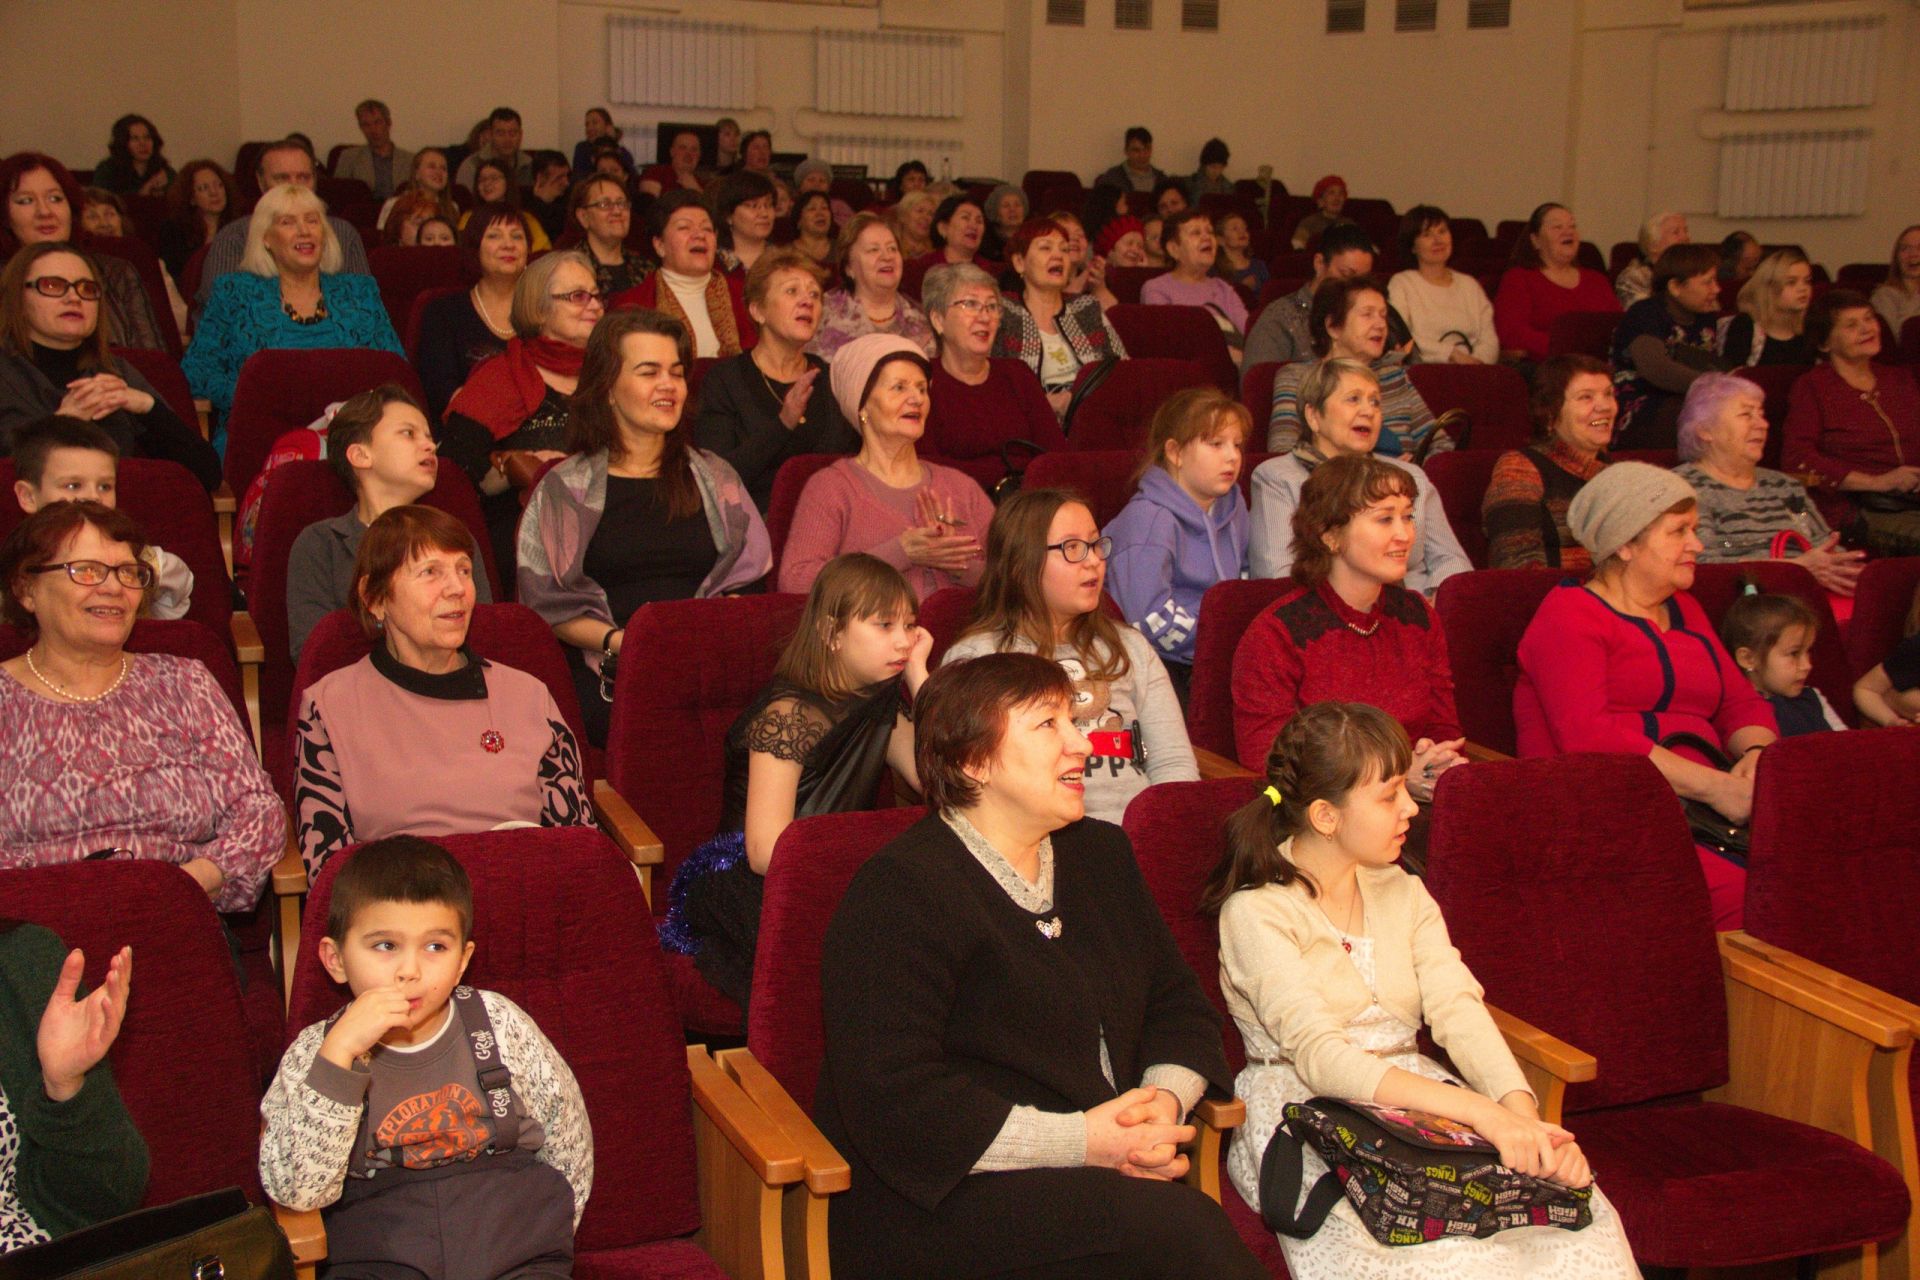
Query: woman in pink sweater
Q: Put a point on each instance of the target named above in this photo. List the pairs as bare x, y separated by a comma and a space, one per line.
926, 521
1543, 284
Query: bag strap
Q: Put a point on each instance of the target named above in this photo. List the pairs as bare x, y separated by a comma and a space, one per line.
496, 1079
1700, 744
1281, 1170
1091, 376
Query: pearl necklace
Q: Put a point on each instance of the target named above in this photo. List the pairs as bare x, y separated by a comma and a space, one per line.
64, 692
479, 304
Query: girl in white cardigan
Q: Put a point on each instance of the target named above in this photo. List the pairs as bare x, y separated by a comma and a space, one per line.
1331, 959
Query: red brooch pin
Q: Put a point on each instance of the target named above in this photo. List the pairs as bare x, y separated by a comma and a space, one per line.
493, 741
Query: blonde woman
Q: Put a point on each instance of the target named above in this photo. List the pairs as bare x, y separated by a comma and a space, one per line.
1771, 326
289, 292
912, 223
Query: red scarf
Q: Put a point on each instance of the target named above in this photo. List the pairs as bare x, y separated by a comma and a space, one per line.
502, 392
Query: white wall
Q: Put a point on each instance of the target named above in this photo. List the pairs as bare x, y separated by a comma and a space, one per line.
1606, 104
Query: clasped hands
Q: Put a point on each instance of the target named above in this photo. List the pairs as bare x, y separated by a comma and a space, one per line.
1139, 1134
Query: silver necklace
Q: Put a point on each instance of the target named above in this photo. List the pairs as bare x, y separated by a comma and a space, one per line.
69, 694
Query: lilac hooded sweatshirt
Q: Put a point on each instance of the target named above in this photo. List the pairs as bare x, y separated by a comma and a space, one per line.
1167, 552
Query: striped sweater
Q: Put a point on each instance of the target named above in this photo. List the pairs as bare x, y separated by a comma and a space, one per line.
1740, 524
1405, 421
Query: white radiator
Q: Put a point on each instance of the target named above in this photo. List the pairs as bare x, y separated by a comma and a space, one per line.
656, 62
1794, 175
1799, 66
883, 155
877, 73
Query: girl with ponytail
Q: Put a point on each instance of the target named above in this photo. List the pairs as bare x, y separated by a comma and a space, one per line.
1332, 958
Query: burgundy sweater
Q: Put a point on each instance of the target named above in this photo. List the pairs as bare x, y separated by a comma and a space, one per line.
968, 424
1310, 648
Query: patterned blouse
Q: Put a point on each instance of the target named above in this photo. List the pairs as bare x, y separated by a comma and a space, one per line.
842, 319
159, 766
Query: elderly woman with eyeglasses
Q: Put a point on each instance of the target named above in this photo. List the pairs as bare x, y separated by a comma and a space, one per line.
114, 754
288, 293
980, 404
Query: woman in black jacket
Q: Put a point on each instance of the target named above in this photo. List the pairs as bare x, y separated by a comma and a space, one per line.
1013, 1041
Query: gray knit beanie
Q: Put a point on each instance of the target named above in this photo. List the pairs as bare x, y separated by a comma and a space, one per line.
1616, 506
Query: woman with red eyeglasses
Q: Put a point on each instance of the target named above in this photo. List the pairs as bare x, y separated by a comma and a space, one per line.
55, 357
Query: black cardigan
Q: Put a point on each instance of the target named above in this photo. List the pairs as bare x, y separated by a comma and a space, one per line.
739, 419
944, 1007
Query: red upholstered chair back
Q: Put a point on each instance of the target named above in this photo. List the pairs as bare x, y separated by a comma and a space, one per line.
945, 614
688, 668
1034, 181
561, 929
1125, 282
300, 494
1104, 477
1910, 342
1493, 396
1589, 333
1256, 392
349, 199
138, 254
1603, 860
176, 514
1485, 613
163, 372
182, 1062
509, 634
1716, 586
1178, 830
1881, 603
1226, 611
183, 638
1177, 333
1116, 414
784, 498
280, 390
813, 863
1622, 252
416, 317
1461, 478
404, 271
1840, 883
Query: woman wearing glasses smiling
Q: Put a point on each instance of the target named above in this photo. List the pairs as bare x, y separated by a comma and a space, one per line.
1041, 593
979, 403
599, 215
54, 358
114, 754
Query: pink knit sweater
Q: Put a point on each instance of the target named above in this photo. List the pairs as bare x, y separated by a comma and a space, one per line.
846, 508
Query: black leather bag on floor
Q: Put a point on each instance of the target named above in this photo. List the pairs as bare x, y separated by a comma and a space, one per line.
217, 1236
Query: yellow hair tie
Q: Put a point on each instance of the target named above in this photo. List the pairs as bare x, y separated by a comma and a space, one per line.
1273, 794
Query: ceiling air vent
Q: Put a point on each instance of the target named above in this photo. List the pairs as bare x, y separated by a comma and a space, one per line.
1346, 16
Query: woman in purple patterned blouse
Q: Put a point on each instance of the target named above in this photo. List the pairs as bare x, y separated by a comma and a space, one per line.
110, 753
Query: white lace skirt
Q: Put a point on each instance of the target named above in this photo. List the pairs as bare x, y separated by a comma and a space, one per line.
1343, 1249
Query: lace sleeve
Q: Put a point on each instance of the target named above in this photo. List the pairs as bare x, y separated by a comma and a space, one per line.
787, 729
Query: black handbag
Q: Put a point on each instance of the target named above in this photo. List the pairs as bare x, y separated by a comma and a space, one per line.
1410, 1176
217, 1236
1009, 483
1732, 840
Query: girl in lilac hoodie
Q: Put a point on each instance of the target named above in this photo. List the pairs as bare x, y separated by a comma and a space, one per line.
1187, 527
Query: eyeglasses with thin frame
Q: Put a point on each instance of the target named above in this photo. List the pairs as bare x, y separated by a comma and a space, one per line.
579, 297
91, 573
978, 306
1074, 550
60, 286
608, 205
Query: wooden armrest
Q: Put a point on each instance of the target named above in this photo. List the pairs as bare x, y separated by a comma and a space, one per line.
224, 503
1852, 988
290, 873
774, 1158
1222, 1115
251, 653
306, 1233
248, 647
626, 827
1214, 765
827, 1170
203, 411
1550, 1053
1747, 967
224, 506
290, 893
1474, 751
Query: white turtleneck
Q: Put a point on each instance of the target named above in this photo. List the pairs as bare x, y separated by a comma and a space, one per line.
692, 292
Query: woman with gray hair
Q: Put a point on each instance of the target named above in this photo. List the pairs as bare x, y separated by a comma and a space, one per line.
1747, 511
1006, 209
980, 404
288, 293
1657, 235
1629, 662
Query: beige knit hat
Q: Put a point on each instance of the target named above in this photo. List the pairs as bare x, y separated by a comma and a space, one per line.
855, 364
1616, 506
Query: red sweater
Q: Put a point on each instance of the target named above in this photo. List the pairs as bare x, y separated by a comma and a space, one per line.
968, 424
1310, 648
1832, 429
1528, 303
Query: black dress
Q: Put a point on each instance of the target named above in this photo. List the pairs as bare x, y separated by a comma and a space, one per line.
471, 447
33, 386
944, 1007
453, 339
841, 748
739, 419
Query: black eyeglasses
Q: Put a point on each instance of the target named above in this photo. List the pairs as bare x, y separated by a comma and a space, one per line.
1074, 550
60, 286
579, 297
91, 573
608, 206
